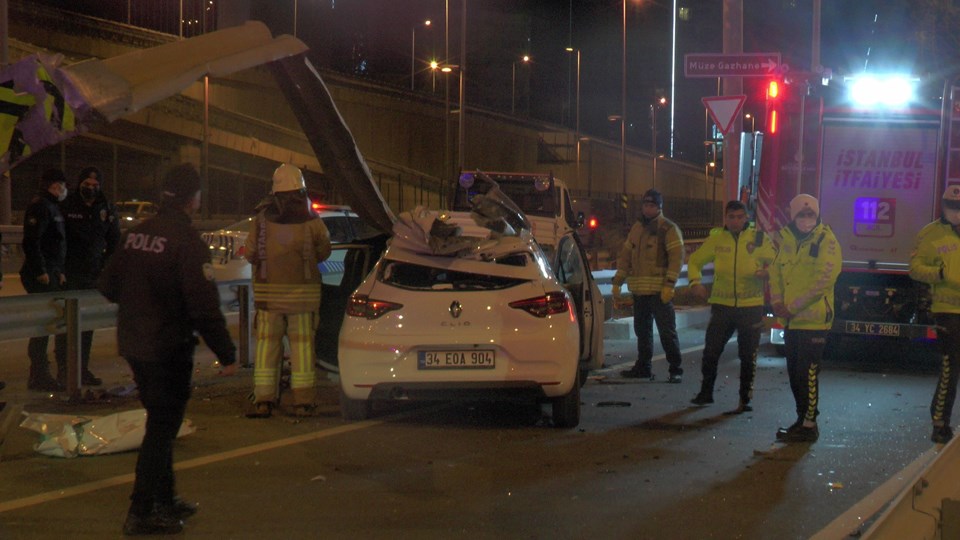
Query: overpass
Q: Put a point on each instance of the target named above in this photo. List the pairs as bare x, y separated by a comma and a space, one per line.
408, 143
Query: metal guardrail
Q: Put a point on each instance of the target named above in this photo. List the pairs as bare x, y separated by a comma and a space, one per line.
72, 312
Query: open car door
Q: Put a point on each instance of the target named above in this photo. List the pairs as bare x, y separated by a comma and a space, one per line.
573, 270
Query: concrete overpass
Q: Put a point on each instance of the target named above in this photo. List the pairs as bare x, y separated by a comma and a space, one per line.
409, 144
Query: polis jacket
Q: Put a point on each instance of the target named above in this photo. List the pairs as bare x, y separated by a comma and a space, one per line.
803, 276
736, 259
44, 238
92, 234
936, 261
285, 258
651, 256
162, 280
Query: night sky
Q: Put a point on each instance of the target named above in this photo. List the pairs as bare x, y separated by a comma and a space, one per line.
372, 38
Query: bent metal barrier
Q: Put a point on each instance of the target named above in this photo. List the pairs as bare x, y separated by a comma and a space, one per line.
70, 312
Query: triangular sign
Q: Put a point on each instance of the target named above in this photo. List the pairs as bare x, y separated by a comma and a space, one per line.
723, 109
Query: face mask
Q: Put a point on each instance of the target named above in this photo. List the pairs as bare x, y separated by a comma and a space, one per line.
952, 216
88, 193
62, 195
805, 224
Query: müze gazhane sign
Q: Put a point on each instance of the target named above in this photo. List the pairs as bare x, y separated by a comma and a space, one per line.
731, 65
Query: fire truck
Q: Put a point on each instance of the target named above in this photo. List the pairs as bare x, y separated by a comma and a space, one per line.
878, 158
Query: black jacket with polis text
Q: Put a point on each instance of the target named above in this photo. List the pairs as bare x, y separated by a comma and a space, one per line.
161, 278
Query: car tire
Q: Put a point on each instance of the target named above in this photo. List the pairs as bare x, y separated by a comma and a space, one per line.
354, 409
566, 409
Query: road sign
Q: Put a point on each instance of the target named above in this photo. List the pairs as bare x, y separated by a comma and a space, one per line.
731, 65
723, 109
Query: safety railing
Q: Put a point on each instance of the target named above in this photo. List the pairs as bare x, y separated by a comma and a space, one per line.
71, 312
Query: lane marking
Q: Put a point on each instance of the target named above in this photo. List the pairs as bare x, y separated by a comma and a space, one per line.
63, 493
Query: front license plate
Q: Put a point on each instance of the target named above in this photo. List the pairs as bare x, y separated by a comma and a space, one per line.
872, 329
474, 359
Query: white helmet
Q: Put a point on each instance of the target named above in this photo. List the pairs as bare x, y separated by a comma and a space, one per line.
287, 178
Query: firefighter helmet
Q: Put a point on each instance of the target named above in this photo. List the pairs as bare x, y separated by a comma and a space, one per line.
287, 178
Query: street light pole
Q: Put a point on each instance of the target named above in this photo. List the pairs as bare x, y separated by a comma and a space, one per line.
653, 139
623, 104
513, 84
413, 53
461, 125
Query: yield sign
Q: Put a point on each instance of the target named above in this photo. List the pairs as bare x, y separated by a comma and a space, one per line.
723, 109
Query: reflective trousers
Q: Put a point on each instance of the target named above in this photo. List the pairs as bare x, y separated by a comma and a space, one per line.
646, 309
747, 322
948, 340
164, 387
299, 328
804, 351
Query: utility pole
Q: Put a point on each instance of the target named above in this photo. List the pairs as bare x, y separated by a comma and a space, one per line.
732, 86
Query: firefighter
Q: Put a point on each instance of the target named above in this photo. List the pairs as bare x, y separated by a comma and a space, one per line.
93, 231
936, 261
649, 262
162, 280
740, 256
286, 243
802, 279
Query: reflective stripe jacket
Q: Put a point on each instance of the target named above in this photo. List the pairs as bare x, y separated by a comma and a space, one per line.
736, 260
286, 278
803, 277
651, 256
936, 261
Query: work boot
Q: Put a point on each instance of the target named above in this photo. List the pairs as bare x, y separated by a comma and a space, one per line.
941, 434
177, 508
304, 410
152, 523
802, 434
262, 409
702, 399
89, 379
782, 432
44, 383
636, 373
675, 378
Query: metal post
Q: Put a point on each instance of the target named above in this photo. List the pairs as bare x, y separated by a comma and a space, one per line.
294, 18
623, 104
413, 56
72, 315
206, 147
245, 328
461, 125
181, 19
653, 129
513, 89
577, 121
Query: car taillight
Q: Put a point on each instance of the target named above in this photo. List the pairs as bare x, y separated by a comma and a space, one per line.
552, 303
315, 206
360, 305
240, 252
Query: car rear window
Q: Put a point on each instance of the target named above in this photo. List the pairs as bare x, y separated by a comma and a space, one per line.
416, 276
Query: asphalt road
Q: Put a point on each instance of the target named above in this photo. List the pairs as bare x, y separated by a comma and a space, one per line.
643, 463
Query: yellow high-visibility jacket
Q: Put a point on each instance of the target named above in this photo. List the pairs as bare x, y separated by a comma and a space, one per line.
936, 261
736, 260
651, 257
285, 256
803, 276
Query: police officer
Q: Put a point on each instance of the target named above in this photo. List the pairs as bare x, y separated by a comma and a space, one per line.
936, 261
44, 254
649, 262
740, 255
162, 280
802, 279
93, 231
286, 243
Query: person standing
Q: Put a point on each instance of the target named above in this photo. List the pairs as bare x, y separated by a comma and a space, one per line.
44, 255
286, 243
93, 231
740, 255
649, 262
802, 280
162, 280
936, 261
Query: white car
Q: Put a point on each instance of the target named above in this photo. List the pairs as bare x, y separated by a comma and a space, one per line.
227, 244
469, 315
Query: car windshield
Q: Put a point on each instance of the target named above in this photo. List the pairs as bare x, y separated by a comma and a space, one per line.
415, 276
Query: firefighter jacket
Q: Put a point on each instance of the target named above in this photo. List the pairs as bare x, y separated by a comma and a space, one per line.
736, 259
651, 256
162, 280
285, 258
44, 238
803, 276
92, 234
936, 261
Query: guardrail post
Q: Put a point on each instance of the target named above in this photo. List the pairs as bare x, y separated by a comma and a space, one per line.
72, 315
245, 331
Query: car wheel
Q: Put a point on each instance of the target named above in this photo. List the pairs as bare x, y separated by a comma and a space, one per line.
354, 409
566, 409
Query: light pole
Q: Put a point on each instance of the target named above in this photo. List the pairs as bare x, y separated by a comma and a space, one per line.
577, 113
413, 52
513, 85
653, 132
294, 18
753, 122
623, 104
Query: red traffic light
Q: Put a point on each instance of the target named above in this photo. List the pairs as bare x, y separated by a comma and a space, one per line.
593, 223
773, 89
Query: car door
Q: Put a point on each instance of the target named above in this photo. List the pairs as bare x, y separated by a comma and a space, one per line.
573, 271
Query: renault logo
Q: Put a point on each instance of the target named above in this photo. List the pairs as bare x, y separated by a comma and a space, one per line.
455, 309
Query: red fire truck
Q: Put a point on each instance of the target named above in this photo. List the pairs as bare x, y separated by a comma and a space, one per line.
878, 166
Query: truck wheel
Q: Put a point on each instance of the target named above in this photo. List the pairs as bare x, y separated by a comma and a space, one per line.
354, 409
566, 409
